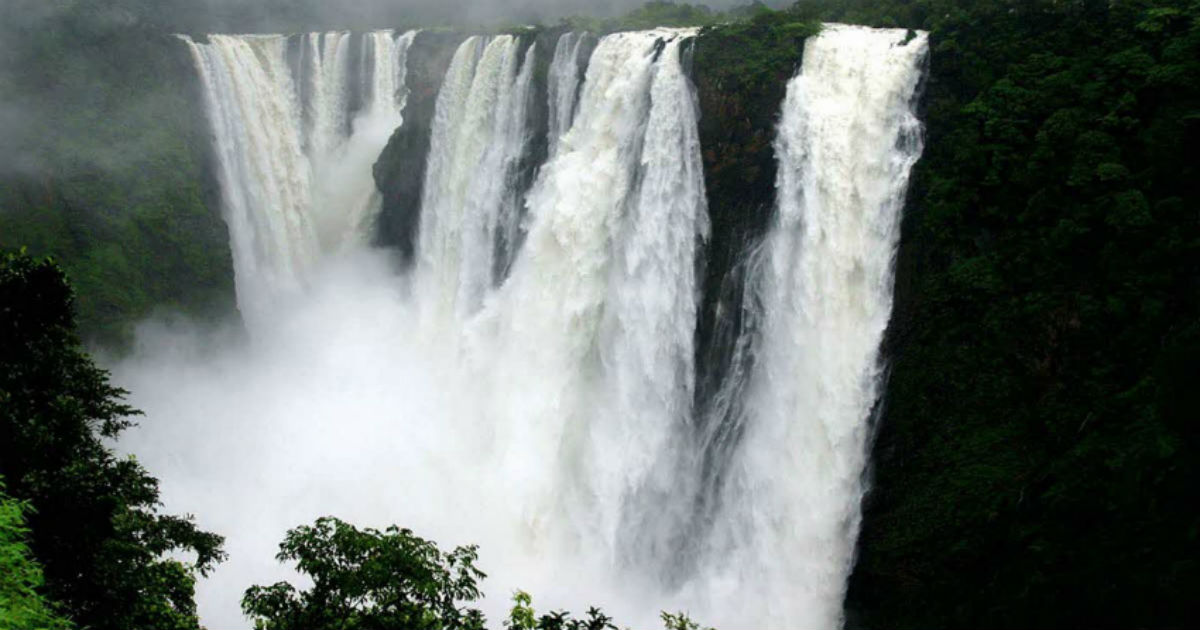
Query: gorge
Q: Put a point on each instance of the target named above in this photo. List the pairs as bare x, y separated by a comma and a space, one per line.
528, 379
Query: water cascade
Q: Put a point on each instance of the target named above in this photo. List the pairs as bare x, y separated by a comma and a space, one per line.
470, 208
294, 170
599, 313
328, 89
563, 85
847, 141
529, 384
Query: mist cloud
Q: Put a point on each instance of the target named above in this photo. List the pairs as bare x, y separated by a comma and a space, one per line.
341, 407
410, 12
50, 51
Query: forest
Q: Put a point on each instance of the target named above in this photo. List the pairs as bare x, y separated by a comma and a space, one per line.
1034, 455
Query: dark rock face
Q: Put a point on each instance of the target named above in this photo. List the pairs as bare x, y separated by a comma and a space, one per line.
400, 170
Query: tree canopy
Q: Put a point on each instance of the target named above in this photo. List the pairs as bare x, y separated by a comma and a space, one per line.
22, 607
95, 525
367, 579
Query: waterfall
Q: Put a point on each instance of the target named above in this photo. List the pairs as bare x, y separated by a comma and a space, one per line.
347, 201
389, 69
290, 190
647, 337
469, 210
563, 85
255, 118
847, 141
598, 315
530, 384
329, 87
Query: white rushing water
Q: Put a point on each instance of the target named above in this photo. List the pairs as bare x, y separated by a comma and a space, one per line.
528, 384
847, 141
328, 87
347, 201
256, 124
469, 213
588, 345
293, 190
562, 85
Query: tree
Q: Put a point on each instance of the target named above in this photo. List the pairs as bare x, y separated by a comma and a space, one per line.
369, 580
94, 527
393, 580
21, 606
524, 617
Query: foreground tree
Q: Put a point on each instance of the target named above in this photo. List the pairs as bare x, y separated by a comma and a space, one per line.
369, 580
524, 617
21, 606
393, 580
94, 527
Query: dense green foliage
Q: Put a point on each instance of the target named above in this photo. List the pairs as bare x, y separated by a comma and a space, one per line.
94, 527
105, 164
369, 579
666, 13
393, 580
522, 616
1035, 464
240, 16
22, 607
650, 15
